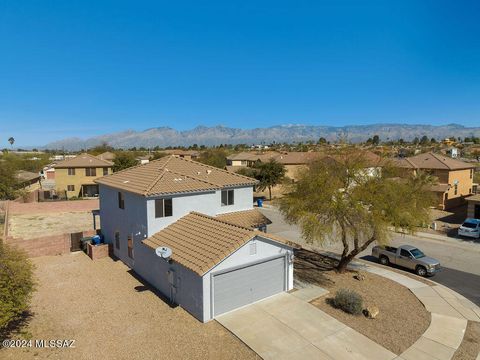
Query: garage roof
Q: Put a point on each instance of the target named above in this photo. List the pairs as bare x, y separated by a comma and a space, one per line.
172, 174
199, 242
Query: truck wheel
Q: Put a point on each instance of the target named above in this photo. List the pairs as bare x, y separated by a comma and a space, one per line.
421, 271
384, 260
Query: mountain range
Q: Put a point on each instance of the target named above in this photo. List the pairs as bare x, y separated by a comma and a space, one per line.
203, 135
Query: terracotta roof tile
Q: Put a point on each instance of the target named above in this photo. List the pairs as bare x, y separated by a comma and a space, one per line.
172, 174
433, 161
248, 218
199, 242
81, 161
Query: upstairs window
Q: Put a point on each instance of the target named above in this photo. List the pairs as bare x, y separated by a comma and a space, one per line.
163, 208
71, 171
455, 191
121, 200
227, 197
471, 173
70, 187
90, 172
105, 171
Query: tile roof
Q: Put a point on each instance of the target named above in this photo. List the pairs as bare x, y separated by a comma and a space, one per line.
199, 242
473, 198
297, 158
433, 161
248, 218
24, 176
83, 160
253, 156
107, 155
440, 188
172, 174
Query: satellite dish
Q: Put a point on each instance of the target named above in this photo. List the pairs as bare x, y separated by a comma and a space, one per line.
163, 252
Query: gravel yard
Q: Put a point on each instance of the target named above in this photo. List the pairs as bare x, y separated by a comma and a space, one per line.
112, 315
402, 318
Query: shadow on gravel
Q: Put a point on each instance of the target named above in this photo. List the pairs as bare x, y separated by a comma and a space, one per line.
311, 267
16, 327
147, 287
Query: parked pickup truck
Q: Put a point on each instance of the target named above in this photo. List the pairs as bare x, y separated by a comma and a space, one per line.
408, 257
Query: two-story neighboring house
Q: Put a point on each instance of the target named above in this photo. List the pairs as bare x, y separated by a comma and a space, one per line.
455, 177
205, 215
76, 176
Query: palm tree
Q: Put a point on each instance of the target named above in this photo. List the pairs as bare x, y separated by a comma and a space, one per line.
11, 140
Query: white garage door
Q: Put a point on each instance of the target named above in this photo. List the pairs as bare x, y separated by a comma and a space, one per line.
246, 285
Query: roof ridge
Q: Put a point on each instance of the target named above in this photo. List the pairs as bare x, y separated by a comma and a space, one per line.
66, 161
441, 160
220, 221
164, 171
215, 168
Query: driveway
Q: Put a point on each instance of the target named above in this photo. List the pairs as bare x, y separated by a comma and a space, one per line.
286, 326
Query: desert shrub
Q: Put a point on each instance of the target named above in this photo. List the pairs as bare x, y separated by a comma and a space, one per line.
16, 284
349, 301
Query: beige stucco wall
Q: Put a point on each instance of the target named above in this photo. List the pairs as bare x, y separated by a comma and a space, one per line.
62, 179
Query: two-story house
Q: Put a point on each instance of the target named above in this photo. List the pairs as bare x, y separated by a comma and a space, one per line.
205, 216
454, 177
75, 177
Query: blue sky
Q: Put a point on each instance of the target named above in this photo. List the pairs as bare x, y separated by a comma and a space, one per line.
82, 68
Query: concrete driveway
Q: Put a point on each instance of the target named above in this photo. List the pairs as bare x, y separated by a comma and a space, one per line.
286, 326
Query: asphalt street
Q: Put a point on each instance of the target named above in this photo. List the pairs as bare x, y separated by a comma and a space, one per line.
460, 259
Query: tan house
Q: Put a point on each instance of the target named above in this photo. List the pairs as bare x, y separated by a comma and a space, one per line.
107, 155
29, 181
75, 177
455, 177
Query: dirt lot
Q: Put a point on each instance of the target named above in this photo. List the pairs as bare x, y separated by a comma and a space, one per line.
402, 318
112, 315
37, 225
33, 220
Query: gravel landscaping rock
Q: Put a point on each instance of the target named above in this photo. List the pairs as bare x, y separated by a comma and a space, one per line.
113, 315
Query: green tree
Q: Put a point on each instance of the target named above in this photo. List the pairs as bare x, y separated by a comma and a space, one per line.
8, 182
103, 147
16, 285
11, 140
124, 160
158, 155
214, 157
322, 141
376, 140
269, 174
338, 200
424, 140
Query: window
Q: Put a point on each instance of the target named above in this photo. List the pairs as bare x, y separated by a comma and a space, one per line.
404, 253
471, 173
117, 240
130, 246
227, 197
90, 172
71, 171
163, 208
70, 187
121, 200
105, 171
455, 189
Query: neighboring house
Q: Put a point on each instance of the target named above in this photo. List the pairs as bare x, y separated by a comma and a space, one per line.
145, 159
76, 176
453, 152
184, 154
473, 210
28, 180
205, 215
107, 155
296, 161
455, 177
249, 159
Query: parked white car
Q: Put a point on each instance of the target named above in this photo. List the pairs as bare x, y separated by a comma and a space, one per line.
470, 228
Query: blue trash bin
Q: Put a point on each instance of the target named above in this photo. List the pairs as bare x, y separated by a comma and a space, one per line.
96, 239
260, 202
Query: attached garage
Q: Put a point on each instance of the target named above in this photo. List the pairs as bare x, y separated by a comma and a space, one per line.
234, 288
220, 266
